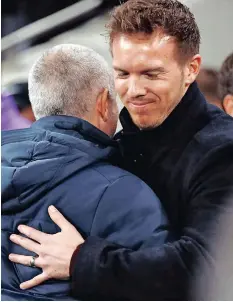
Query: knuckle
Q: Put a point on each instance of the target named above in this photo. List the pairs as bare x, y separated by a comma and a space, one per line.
20, 239
41, 262
42, 250
42, 255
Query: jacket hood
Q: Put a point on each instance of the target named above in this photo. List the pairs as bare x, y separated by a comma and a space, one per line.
37, 159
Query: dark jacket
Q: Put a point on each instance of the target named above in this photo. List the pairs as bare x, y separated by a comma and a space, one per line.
188, 162
64, 161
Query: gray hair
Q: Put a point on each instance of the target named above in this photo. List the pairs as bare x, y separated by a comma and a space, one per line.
67, 79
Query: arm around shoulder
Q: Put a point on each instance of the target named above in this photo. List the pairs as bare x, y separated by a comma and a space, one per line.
129, 213
105, 270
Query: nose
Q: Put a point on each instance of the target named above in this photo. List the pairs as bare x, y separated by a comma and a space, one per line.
135, 88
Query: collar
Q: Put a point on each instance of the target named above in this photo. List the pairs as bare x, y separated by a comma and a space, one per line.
75, 127
191, 107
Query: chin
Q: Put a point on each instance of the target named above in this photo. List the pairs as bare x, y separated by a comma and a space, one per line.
145, 124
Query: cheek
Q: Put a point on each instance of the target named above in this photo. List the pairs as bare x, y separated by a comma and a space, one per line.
121, 87
160, 88
168, 87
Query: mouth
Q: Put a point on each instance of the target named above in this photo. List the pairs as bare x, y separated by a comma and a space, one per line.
138, 104
139, 107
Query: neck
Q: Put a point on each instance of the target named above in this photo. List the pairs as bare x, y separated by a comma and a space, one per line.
98, 123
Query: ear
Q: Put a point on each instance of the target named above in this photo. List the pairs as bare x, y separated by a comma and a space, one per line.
103, 105
228, 104
193, 68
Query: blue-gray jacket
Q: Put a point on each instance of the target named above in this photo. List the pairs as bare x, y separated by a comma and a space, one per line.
65, 161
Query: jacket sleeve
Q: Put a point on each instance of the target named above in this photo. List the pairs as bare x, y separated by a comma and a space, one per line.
129, 213
104, 270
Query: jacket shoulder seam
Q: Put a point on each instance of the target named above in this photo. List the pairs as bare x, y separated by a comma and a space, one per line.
109, 181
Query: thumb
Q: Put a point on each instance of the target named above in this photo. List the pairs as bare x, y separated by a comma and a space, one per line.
59, 219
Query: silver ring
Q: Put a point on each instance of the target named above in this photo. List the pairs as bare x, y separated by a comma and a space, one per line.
32, 261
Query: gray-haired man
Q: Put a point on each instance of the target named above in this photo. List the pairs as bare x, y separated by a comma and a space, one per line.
65, 159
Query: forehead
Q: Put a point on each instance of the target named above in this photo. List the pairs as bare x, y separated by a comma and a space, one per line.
137, 50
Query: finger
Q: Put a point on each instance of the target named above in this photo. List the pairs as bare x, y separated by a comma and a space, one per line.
25, 260
35, 281
59, 219
28, 244
33, 233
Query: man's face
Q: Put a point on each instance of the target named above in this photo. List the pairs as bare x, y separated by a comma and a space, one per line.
149, 78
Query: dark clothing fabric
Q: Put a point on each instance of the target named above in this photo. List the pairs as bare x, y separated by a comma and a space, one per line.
64, 161
188, 162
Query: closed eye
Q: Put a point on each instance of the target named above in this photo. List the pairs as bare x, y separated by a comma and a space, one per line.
122, 74
151, 76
